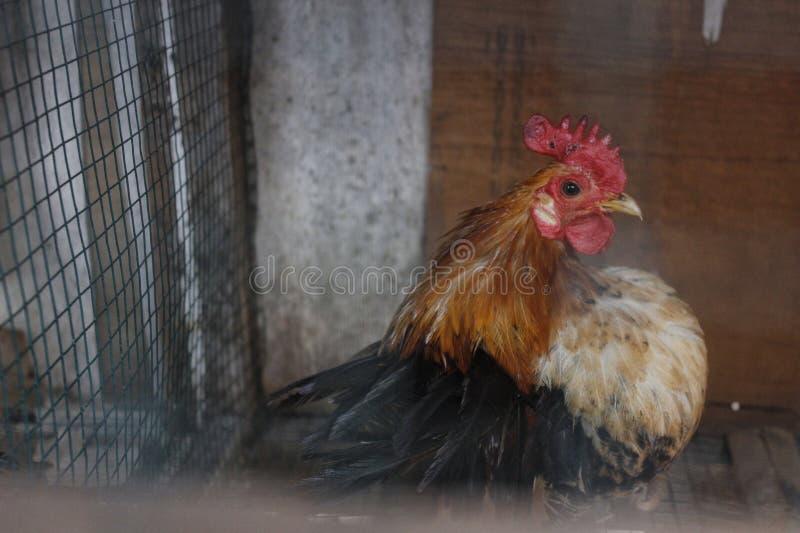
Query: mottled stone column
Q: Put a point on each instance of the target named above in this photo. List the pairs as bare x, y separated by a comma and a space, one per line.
340, 94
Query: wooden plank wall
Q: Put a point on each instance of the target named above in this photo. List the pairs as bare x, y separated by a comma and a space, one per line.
709, 136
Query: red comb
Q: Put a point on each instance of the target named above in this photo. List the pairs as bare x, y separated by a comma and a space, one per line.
590, 153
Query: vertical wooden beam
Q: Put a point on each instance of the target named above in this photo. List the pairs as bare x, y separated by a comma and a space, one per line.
115, 284
168, 261
44, 233
213, 125
237, 31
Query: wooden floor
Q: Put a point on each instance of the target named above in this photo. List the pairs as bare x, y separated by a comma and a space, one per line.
704, 489
741, 472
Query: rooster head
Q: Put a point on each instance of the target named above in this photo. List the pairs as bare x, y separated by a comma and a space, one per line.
575, 196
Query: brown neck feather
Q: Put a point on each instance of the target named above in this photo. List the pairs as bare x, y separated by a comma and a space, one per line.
494, 285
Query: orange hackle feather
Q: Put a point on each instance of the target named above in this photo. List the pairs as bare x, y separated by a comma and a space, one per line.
489, 287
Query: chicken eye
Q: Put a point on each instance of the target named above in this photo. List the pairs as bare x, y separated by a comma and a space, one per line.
570, 188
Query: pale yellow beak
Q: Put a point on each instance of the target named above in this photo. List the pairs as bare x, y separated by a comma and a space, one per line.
622, 204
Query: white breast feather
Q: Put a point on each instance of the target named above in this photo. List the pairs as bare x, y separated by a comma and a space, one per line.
636, 361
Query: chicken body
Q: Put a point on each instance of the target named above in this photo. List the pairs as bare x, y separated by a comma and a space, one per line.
628, 375
512, 361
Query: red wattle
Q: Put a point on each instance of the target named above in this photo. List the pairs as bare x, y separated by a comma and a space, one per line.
590, 234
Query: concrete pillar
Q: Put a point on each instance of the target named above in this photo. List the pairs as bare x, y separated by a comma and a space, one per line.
340, 96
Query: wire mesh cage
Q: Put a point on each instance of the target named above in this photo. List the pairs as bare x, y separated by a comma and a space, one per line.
124, 316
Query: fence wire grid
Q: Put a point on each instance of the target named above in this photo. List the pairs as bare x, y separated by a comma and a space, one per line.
124, 315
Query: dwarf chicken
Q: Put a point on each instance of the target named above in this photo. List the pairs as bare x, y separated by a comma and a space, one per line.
512, 361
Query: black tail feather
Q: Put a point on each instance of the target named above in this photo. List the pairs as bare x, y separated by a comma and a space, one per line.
396, 386
349, 377
410, 420
414, 423
418, 417
470, 416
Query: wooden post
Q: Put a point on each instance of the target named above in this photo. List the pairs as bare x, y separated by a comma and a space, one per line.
115, 285
237, 38
172, 371
212, 121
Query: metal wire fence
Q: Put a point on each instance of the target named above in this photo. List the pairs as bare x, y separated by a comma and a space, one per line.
124, 316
